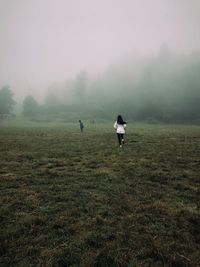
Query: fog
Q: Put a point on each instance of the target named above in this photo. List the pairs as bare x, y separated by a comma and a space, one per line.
47, 46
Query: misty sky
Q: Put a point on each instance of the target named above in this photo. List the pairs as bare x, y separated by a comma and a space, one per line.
42, 41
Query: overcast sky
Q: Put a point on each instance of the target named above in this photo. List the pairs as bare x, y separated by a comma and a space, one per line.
42, 41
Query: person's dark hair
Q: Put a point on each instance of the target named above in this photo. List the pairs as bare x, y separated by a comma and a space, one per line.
120, 120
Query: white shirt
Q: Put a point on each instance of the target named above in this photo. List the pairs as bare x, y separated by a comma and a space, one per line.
120, 128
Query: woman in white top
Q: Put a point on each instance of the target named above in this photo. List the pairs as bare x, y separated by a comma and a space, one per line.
120, 126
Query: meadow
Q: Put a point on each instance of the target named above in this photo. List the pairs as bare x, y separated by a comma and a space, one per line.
72, 199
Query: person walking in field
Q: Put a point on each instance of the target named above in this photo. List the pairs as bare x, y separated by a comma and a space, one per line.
81, 126
120, 126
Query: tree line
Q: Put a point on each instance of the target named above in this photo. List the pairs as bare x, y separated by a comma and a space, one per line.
163, 88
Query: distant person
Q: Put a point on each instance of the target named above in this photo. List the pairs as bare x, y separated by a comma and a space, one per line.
120, 126
81, 126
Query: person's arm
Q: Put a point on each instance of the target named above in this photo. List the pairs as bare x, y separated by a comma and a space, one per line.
124, 126
115, 125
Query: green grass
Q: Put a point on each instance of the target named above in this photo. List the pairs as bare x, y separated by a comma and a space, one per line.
72, 199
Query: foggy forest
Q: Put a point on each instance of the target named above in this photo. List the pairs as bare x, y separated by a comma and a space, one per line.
164, 87
144, 76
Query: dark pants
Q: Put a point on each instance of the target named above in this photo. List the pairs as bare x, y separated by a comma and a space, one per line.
120, 137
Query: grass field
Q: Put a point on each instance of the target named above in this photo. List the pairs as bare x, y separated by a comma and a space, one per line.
72, 199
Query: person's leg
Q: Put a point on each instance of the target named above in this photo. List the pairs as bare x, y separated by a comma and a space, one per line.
122, 138
119, 139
